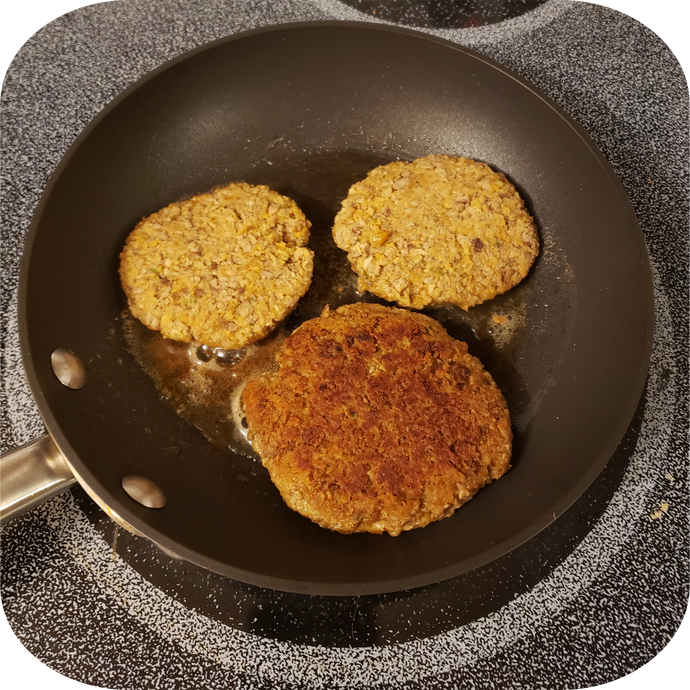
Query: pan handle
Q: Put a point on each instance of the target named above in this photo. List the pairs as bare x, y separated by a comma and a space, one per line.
30, 475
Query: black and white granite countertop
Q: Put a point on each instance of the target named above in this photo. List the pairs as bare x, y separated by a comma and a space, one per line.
604, 589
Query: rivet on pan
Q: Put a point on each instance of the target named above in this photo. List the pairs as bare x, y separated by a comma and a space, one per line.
68, 368
143, 491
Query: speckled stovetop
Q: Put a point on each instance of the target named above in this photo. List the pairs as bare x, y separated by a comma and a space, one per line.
598, 594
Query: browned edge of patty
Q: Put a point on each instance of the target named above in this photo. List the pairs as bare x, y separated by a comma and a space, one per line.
377, 421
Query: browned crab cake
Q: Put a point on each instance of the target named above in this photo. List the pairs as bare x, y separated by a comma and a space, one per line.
436, 230
377, 421
222, 268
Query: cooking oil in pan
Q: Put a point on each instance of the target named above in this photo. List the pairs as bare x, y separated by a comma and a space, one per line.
204, 385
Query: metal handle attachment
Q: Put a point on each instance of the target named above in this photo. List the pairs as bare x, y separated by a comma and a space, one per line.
30, 475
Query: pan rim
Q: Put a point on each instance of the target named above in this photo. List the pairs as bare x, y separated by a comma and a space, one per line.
95, 489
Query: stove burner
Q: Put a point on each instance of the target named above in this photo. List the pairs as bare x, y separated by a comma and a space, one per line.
445, 14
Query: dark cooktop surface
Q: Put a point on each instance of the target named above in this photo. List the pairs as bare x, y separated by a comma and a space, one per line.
591, 598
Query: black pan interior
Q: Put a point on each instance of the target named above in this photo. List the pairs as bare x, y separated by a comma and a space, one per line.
309, 109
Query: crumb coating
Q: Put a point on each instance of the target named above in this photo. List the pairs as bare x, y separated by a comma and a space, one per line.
222, 268
436, 230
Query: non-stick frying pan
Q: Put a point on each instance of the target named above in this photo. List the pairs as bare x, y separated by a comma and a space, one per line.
308, 109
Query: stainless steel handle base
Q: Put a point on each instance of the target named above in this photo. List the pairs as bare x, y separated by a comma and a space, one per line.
30, 475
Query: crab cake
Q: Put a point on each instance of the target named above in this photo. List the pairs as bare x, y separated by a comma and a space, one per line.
222, 268
437, 230
377, 421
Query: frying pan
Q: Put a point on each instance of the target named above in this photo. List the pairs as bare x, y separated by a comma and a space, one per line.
308, 109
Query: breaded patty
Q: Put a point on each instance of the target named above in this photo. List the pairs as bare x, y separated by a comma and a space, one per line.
377, 421
437, 230
222, 268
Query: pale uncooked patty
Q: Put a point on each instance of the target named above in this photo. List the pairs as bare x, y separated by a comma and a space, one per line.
437, 230
222, 268
377, 421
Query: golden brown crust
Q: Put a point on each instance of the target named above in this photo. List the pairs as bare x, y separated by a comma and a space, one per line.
222, 268
377, 421
439, 229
